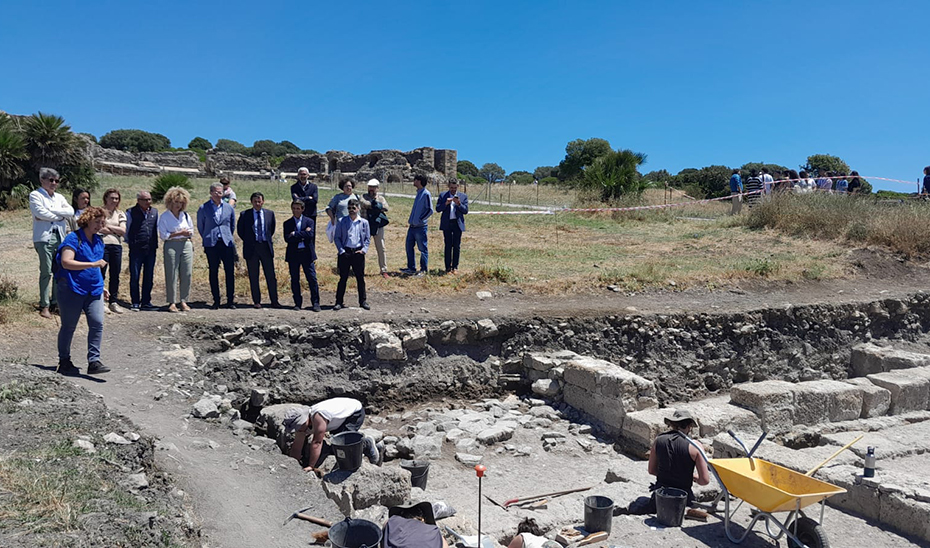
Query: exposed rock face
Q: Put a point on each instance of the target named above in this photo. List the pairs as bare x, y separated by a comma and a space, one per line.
316, 163
368, 486
188, 159
226, 163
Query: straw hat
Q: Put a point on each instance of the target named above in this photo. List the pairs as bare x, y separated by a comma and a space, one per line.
680, 416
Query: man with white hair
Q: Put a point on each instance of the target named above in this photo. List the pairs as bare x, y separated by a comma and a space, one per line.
142, 237
50, 212
335, 415
307, 192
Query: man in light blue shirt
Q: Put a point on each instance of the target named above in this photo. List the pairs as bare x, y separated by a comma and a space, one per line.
352, 239
416, 227
216, 223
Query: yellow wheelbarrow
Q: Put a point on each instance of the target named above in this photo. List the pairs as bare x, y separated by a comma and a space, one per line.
770, 489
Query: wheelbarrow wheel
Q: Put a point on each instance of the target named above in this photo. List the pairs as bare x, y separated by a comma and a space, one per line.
810, 533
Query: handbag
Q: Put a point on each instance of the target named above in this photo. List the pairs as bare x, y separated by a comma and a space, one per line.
330, 231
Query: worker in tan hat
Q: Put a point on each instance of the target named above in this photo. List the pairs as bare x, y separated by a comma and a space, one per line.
673, 460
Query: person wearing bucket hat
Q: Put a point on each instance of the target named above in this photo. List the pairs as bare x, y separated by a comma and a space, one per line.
412, 525
673, 460
335, 415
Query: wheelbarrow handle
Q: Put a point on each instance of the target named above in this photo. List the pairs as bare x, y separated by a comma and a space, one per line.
758, 443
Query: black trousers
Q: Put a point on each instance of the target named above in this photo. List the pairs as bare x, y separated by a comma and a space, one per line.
113, 255
351, 260
453, 239
261, 254
304, 261
226, 254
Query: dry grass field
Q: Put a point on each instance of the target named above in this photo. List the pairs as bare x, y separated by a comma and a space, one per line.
549, 254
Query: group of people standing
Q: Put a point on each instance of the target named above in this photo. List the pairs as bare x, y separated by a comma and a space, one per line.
761, 183
79, 244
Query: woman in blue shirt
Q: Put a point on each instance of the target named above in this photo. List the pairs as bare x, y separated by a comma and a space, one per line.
80, 289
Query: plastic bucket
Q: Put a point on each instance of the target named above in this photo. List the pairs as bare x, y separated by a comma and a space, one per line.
419, 472
598, 514
670, 506
348, 450
355, 533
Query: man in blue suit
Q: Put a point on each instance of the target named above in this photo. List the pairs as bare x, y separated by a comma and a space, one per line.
216, 222
300, 235
352, 239
255, 228
452, 206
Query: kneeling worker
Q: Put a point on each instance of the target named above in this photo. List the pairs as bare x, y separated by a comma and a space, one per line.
335, 415
673, 459
412, 526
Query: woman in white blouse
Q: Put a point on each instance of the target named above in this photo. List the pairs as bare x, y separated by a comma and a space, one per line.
176, 229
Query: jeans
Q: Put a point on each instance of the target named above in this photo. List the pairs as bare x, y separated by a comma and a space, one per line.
71, 305
261, 254
144, 261
179, 264
304, 261
453, 240
48, 291
351, 260
417, 235
226, 254
113, 255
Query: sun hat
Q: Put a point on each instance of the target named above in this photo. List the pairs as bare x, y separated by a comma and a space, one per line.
425, 508
679, 416
373, 182
295, 417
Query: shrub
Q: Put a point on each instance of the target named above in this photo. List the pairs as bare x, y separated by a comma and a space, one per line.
9, 290
16, 198
135, 140
167, 180
496, 273
228, 145
199, 143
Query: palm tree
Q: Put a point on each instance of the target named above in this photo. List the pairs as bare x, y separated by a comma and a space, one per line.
615, 174
12, 153
49, 141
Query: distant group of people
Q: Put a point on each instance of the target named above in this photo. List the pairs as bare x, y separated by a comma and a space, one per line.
761, 183
60, 228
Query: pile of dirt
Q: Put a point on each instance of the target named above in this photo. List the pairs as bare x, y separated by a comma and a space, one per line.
73, 473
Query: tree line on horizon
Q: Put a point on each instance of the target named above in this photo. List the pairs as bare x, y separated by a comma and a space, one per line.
592, 165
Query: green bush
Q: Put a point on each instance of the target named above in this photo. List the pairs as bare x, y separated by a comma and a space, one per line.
228, 145
166, 181
135, 140
9, 290
199, 143
16, 198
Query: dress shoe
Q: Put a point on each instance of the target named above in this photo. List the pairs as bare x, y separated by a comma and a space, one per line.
232, 306
215, 306
338, 307
365, 305
296, 307
257, 305
97, 367
316, 308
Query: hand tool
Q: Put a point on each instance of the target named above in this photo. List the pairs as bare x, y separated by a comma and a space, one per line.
555, 494
831, 457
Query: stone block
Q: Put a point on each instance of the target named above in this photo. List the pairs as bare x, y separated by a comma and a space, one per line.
259, 397
386, 345
640, 428
859, 498
368, 486
205, 409
876, 401
495, 434
868, 358
544, 361
817, 402
908, 392
486, 329
772, 401
905, 515
413, 339
611, 381
885, 447
547, 388
236, 355
583, 372
716, 415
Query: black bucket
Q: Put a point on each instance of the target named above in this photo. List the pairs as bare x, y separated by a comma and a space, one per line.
598, 514
670, 506
419, 471
348, 450
355, 533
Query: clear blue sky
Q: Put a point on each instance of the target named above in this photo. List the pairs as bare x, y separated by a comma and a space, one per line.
687, 83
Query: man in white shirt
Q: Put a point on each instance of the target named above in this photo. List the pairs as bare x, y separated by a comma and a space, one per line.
768, 183
335, 415
50, 212
352, 239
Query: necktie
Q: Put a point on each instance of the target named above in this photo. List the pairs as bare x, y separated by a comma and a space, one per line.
261, 228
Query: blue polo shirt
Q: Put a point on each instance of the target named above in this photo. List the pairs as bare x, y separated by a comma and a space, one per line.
736, 183
90, 280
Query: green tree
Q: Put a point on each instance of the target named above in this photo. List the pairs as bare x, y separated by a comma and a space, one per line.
773, 169
707, 182
264, 146
286, 147
818, 164
580, 154
520, 177
658, 176
135, 140
49, 142
228, 145
549, 181
12, 153
200, 143
616, 174
89, 136
542, 172
491, 172
466, 168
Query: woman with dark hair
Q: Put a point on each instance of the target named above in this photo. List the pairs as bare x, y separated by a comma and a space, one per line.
855, 183
113, 234
80, 289
530, 535
339, 205
80, 199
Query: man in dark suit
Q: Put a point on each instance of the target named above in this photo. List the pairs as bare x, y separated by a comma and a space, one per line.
452, 206
256, 228
300, 234
216, 222
308, 193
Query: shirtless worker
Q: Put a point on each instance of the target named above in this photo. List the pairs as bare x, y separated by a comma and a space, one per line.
335, 415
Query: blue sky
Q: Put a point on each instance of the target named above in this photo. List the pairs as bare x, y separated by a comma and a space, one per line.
687, 83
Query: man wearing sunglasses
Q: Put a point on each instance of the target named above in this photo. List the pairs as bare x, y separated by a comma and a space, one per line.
352, 239
50, 212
